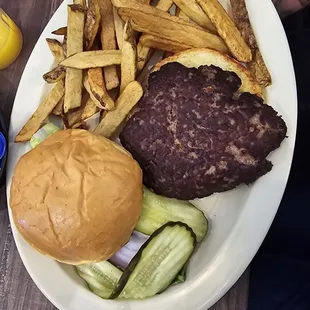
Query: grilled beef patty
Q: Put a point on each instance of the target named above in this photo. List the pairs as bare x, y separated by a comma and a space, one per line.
192, 138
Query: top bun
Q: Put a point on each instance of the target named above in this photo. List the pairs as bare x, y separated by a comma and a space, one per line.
76, 197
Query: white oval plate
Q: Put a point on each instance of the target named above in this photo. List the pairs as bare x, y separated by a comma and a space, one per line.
239, 218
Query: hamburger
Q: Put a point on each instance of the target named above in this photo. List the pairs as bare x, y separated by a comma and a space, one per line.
202, 126
76, 197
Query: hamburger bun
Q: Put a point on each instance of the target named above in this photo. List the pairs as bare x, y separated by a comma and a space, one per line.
76, 197
194, 58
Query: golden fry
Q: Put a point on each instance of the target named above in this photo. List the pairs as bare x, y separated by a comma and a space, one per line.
195, 13
226, 29
144, 53
82, 3
179, 13
92, 23
64, 45
119, 25
85, 111
259, 69
163, 44
160, 10
59, 72
60, 31
89, 110
94, 84
108, 41
129, 57
56, 49
75, 29
111, 77
42, 112
93, 59
164, 5
55, 75
170, 29
124, 104
58, 110
242, 21
73, 93
94, 97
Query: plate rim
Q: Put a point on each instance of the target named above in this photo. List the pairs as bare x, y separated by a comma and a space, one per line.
241, 267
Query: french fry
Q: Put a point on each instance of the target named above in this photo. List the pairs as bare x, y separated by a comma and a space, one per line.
95, 98
62, 31
59, 72
164, 5
75, 29
129, 57
55, 75
92, 23
242, 21
57, 50
195, 13
64, 45
144, 53
179, 13
86, 110
170, 29
108, 41
151, 41
82, 3
226, 29
58, 110
259, 69
73, 93
148, 9
94, 84
124, 104
42, 112
93, 59
89, 110
119, 25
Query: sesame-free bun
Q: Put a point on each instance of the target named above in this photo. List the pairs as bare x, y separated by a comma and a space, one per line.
76, 197
196, 57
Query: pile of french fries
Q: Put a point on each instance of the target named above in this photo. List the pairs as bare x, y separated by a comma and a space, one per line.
107, 44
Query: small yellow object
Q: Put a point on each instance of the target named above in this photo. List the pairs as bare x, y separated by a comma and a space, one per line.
11, 40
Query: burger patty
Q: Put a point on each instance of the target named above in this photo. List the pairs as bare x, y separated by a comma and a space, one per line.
192, 137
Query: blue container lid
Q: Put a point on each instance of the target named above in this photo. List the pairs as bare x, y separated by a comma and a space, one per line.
2, 145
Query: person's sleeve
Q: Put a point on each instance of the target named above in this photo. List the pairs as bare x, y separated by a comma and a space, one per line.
287, 7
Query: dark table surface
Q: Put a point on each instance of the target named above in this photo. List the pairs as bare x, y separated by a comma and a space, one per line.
17, 290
